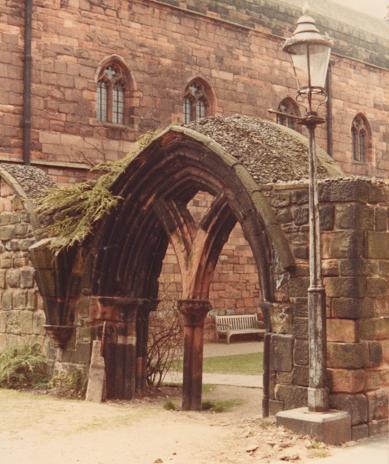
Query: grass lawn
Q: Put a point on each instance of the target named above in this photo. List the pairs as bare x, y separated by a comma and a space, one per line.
250, 364
237, 364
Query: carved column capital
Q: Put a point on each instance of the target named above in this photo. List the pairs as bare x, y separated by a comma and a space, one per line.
194, 311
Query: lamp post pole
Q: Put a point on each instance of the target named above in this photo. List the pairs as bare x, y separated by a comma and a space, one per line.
317, 334
310, 52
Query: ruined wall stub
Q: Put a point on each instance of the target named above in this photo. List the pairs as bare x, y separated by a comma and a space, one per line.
355, 244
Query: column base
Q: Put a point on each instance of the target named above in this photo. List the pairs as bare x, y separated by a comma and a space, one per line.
331, 427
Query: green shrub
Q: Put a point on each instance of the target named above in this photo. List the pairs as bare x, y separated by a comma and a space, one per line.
23, 366
169, 406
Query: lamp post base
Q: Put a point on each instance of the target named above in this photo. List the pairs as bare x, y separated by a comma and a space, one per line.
330, 427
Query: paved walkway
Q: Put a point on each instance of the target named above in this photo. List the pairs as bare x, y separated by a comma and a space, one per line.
236, 380
223, 349
373, 450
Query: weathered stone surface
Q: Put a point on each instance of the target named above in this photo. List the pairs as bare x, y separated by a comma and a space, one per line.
27, 277
347, 381
7, 232
281, 316
7, 301
358, 432
374, 329
347, 355
300, 327
330, 268
346, 308
327, 218
378, 404
342, 244
355, 405
300, 251
377, 378
298, 287
342, 330
354, 216
353, 267
275, 406
377, 286
25, 322
301, 376
377, 245
301, 216
285, 378
19, 299
344, 191
378, 427
293, 396
375, 354
351, 287
301, 353
281, 352
381, 219
331, 427
13, 278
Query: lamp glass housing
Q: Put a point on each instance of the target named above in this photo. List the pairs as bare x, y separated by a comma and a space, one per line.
310, 62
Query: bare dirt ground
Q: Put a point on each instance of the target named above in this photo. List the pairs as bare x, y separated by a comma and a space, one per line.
42, 429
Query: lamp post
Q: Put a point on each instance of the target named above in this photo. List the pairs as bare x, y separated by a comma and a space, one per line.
310, 52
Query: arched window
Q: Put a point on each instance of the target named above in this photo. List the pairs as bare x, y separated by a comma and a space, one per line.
361, 139
288, 106
113, 89
197, 101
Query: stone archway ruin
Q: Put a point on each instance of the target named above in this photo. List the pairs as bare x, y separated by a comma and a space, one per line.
111, 280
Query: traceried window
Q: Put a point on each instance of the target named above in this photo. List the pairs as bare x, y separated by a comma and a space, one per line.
288, 106
112, 87
360, 133
196, 101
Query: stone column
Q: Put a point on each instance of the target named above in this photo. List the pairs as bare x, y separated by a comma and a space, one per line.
193, 314
142, 334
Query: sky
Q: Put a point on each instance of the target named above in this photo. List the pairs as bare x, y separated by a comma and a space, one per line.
376, 8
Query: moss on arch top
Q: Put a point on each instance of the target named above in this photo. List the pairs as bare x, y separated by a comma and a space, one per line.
270, 152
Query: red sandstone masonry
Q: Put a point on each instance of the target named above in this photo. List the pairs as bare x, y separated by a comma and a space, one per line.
164, 48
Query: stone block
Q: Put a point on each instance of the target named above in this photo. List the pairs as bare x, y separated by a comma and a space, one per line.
327, 218
330, 267
39, 320
301, 216
2, 278
354, 267
281, 352
381, 219
301, 376
275, 407
377, 378
355, 405
376, 286
378, 427
377, 245
27, 277
6, 261
293, 396
281, 316
300, 251
298, 287
7, 300
347, 380
7, 232
300, 197
280, 200
300, 327
301, 353
354, 216
347, 355
285, 378
21, 230
378, 404
13, 278
346, 308
359, 432
284, 216
332, 427
19, 299
25, 321
350, 287
344, 191
348, 244
374, 328
375, 354
96, 376
342, 330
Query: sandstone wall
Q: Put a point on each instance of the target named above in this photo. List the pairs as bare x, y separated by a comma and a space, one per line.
355, 234
237, 52
21, 314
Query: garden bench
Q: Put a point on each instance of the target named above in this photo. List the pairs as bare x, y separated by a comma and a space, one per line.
237, 324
